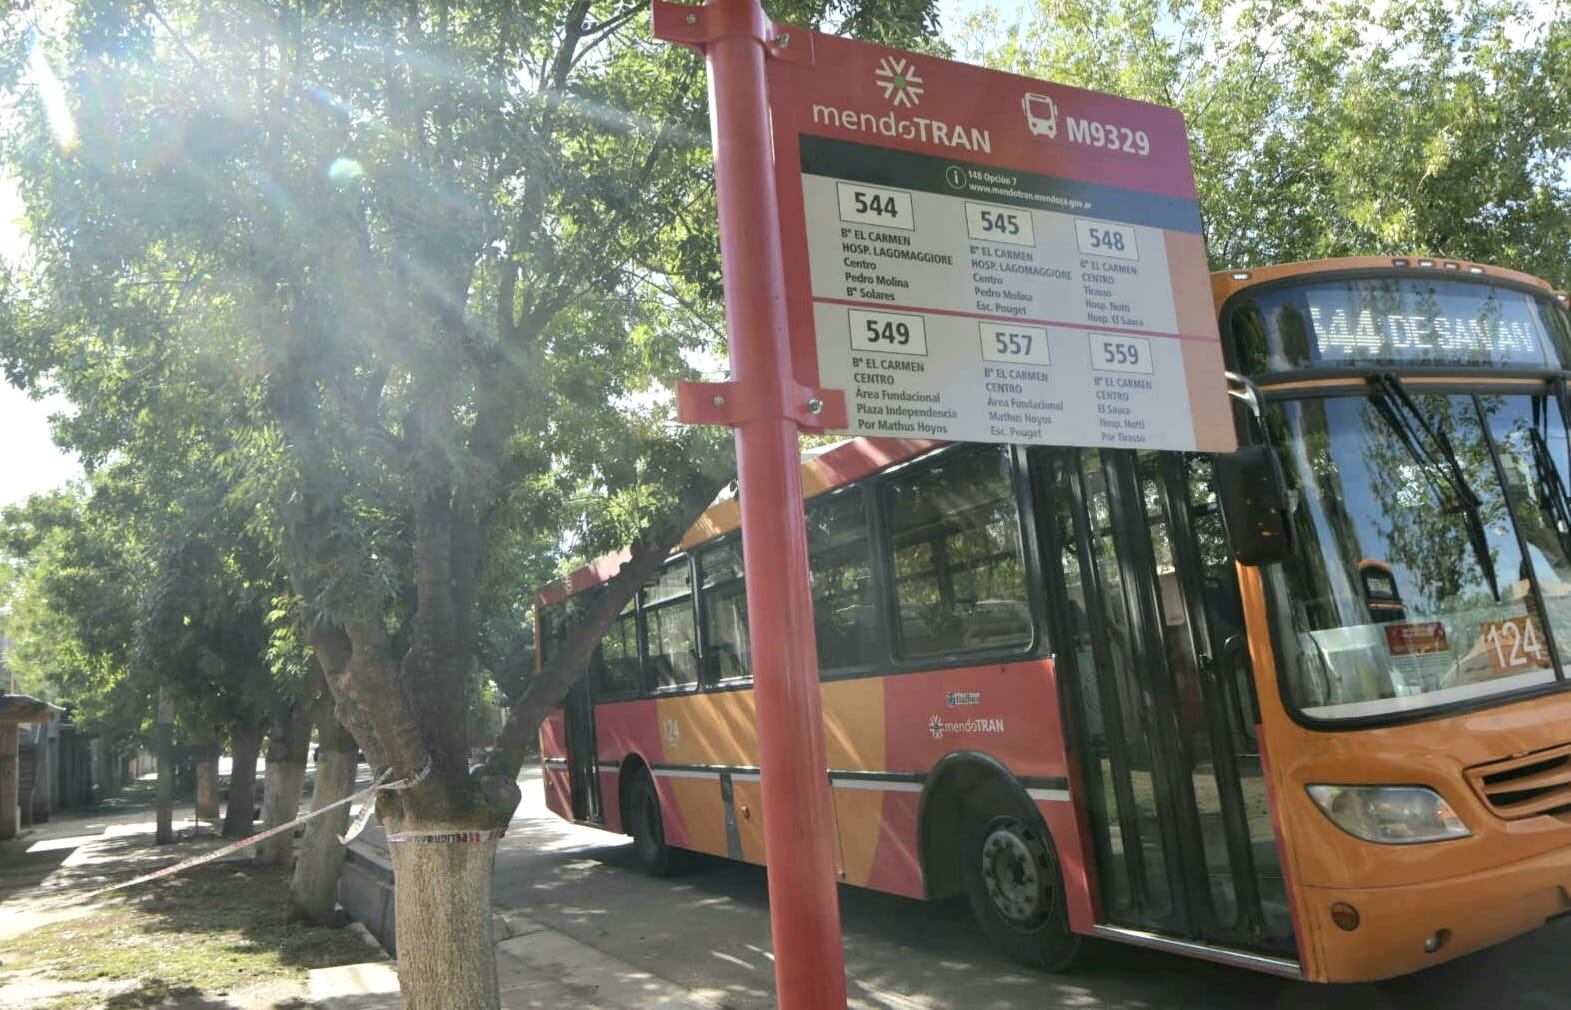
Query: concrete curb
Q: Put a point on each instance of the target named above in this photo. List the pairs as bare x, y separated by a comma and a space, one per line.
536, 965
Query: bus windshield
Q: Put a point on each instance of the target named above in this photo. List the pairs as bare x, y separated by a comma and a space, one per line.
1434, 548
1417, 319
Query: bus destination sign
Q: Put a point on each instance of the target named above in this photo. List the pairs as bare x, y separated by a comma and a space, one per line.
977, 256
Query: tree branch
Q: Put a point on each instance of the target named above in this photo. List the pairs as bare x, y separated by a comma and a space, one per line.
564, 668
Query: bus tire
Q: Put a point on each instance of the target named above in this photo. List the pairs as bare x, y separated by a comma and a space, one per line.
1010, 873
647, 827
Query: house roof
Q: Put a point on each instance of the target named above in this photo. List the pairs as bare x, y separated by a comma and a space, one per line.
17, 708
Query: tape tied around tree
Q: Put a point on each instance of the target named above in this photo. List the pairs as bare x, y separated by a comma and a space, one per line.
368, 794
364, 817
447, 837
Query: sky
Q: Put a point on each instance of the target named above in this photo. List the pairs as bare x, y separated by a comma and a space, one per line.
29, 459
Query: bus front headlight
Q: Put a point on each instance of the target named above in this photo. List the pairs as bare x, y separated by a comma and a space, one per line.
1390, 815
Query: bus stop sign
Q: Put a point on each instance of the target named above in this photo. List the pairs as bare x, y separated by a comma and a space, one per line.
979, 256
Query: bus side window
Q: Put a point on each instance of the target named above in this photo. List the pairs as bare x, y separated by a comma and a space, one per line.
845, 612
726, 655
959, 570
616, 670
670, 630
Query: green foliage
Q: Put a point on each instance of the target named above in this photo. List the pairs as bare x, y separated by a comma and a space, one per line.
395, 290
1346, 128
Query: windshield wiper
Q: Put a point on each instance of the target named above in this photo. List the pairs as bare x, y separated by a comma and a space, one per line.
1553, 496
1436, 455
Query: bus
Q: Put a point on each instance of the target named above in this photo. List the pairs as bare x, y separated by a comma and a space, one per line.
1300, 708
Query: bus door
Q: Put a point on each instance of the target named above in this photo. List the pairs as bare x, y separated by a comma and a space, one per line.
583, 771
1149, 634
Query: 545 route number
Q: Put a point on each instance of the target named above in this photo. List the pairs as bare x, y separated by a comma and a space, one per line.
990, 223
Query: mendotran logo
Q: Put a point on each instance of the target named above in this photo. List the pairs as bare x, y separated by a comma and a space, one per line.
900, 81
892, 124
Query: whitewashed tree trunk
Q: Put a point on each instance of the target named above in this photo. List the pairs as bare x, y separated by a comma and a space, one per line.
289, 742
313, 891
446, 960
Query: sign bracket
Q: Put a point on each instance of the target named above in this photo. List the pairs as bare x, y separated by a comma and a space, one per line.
696, 26
735, 403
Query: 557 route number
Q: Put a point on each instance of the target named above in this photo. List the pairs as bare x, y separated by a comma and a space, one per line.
1013, 343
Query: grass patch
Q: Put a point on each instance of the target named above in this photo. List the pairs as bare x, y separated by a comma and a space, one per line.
208, 930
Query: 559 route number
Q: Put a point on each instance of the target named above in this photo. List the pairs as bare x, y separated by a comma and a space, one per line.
1111, 352
888, 332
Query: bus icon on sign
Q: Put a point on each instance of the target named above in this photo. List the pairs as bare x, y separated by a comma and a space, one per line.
1041, 115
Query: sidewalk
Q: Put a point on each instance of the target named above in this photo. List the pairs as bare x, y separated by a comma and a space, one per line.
536, 968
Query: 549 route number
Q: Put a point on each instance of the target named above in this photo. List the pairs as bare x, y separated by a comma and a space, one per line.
888, 332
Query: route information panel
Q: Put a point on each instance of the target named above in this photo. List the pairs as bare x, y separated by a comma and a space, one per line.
976, 256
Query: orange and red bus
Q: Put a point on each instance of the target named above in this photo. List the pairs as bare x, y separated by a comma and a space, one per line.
1100, 697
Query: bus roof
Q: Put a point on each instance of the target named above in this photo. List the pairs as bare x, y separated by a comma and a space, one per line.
823, 469
1226, 283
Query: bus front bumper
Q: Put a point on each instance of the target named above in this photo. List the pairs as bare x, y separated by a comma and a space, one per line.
1406, 928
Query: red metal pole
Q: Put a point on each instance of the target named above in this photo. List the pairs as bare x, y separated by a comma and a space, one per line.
804, 907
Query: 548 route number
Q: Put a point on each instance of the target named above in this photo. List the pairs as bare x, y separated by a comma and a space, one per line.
1106, 238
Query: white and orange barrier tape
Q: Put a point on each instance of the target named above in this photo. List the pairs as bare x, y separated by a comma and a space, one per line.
368, 794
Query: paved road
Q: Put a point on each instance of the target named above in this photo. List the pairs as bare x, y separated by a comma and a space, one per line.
709, 931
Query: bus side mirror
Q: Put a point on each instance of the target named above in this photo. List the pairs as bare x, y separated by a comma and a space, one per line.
1253, 495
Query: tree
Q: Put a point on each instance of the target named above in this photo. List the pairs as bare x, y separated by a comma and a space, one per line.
1339, 129
437, 260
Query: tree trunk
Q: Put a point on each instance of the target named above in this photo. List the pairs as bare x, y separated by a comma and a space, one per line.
446, 960
164, 831
207, 804
245, 744
313, 891
288, 743
107, 773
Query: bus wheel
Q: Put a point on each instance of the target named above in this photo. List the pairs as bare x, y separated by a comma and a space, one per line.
1012, 881
648, 828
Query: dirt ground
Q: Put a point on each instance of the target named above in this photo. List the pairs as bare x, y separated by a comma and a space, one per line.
212, 938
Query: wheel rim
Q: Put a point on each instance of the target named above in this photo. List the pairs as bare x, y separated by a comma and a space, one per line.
1017, 873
